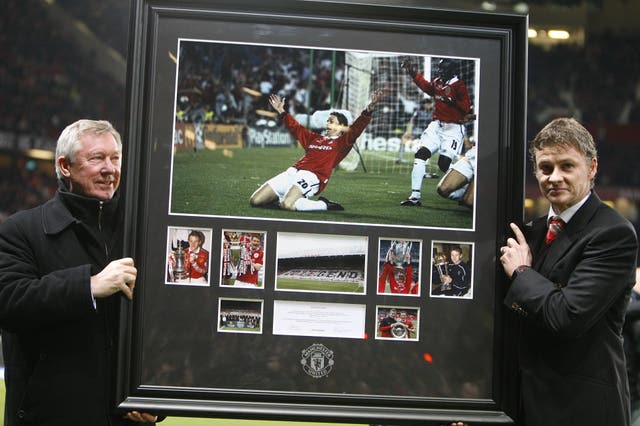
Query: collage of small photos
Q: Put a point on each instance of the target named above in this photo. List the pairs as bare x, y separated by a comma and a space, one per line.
320, 263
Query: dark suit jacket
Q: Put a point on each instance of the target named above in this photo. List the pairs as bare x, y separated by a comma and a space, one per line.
57, 347
572, 304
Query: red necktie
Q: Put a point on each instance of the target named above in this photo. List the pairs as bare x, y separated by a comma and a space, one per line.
555, 226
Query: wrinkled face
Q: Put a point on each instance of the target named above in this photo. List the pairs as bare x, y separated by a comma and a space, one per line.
333, 126
95, 172
564, 175
194, 243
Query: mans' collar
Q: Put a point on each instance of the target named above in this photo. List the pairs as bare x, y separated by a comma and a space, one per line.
568, 213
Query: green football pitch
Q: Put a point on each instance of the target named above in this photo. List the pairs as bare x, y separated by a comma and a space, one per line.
220, 182
313, 285
192, 421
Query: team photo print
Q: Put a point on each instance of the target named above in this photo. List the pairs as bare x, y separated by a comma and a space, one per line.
452, 269
188, 252
283, 132
242, 259
321, 263
240, 315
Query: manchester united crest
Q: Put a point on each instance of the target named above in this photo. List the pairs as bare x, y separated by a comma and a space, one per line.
317, 360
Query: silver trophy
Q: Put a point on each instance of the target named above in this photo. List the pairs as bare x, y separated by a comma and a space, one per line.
399, 330
399, 253
442, 266
179, 271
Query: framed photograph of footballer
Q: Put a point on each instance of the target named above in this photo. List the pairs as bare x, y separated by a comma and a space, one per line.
327, 151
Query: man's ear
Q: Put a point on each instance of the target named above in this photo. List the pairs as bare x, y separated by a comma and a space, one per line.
63, 165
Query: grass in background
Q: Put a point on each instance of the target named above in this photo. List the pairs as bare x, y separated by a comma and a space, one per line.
192, 421
220, 183
314, 285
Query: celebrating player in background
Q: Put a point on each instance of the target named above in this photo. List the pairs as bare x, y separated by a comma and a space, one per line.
445, 134
458, 183
293, 188
252, 261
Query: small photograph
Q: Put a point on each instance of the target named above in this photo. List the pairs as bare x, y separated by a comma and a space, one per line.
399, 267
240, 316
321, 263
451, 269
397, 323
188, 256
243, 259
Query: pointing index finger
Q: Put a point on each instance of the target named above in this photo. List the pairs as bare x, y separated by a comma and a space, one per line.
518, 234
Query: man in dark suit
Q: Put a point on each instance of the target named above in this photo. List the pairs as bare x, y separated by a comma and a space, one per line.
61, 275
570, 284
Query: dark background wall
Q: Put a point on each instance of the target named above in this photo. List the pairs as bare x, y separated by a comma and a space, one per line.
66, 59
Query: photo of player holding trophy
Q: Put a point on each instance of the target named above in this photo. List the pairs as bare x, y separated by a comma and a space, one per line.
399, 267
242, 259
397, 323
452, 270
188, 252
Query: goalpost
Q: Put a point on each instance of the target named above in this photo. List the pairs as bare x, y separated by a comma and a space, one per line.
402, 112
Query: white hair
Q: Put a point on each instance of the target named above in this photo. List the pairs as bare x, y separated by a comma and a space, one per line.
68, 143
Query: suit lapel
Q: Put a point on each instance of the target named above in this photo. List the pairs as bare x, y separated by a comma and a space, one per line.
566, 238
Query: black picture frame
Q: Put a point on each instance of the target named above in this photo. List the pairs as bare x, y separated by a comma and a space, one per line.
172, 357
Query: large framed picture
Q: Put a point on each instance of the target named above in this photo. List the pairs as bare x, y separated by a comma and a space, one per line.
315, 196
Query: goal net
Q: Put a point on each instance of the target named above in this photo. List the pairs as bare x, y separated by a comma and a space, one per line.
405, 109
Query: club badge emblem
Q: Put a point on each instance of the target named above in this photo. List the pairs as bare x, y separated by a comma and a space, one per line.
317, 360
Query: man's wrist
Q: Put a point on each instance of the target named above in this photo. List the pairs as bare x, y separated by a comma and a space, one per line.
520, 269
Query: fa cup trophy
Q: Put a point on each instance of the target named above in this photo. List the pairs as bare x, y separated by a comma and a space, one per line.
179, 271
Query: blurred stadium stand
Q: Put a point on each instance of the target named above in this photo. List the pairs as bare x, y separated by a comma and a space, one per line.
65, 59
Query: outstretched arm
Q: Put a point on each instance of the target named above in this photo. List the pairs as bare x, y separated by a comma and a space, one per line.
408, 67
375, 98
277, 103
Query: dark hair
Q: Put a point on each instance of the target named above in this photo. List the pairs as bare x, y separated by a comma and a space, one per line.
342, 119
456, 248
567, 133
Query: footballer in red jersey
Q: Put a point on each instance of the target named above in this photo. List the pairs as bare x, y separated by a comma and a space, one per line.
293, 188
254, 255
408, 326
196, 260
445, 134
386, 324
400, 279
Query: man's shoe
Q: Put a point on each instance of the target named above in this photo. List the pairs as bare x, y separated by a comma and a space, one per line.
331, 205
411, 202
430, 175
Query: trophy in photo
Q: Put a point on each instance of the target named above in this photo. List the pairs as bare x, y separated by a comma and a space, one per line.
399, 330
441, 265
236, 256
399, 253
179, 270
